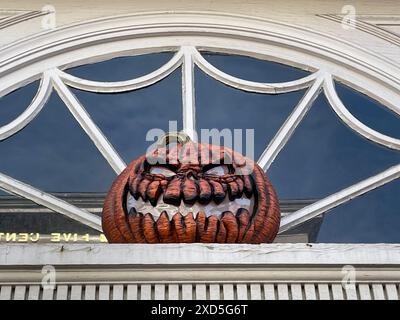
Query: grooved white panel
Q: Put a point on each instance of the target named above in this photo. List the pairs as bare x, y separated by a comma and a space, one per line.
269, 292
62, 292
351, 292
365, 293
145, 292
90, 292
104, 292
5, 293
323, 291
33, 292
377, 290
76, 292
48, 294
118, 292
19, 292
187, 292
283, 292
228, 292
309, 290
201, 292
173, 292
297, 293
242, 291
215, 293
337, 292
132, 292
391, 292
255, 291
159, 292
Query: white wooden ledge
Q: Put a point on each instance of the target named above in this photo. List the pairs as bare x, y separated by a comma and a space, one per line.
199, 254
200, 271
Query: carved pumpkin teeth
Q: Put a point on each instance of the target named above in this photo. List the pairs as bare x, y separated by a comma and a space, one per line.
189, 191
228, 228
231, 226
243, 217
185, 227
205, 192
142, 189
183, 208
134, 187
210, 230
165, 232
233, 190
247, 186
149, 225
218, 191
172, 194
135, 223
153, 192
240, 185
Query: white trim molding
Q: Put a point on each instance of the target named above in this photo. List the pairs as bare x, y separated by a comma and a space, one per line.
202, 271
31, 111
373, 24
199, 254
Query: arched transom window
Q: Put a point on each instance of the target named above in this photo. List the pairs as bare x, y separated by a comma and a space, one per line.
187, 44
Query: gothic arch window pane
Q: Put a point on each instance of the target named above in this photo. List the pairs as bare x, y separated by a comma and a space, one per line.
121, 68
254, 69
369, 111
220, 107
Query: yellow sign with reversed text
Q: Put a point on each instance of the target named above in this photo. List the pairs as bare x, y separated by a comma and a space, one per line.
32, 237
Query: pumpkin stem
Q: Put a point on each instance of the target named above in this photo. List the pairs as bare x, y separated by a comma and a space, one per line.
174, 136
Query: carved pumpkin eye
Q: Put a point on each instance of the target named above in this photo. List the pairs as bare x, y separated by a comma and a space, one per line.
163, 171
218, 171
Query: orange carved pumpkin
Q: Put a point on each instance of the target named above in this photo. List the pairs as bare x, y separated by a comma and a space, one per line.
189, 193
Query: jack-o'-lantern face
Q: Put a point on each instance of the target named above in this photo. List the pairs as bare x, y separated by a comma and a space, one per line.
191, 193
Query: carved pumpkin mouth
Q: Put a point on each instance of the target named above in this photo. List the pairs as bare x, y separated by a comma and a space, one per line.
203, 206
212, 208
